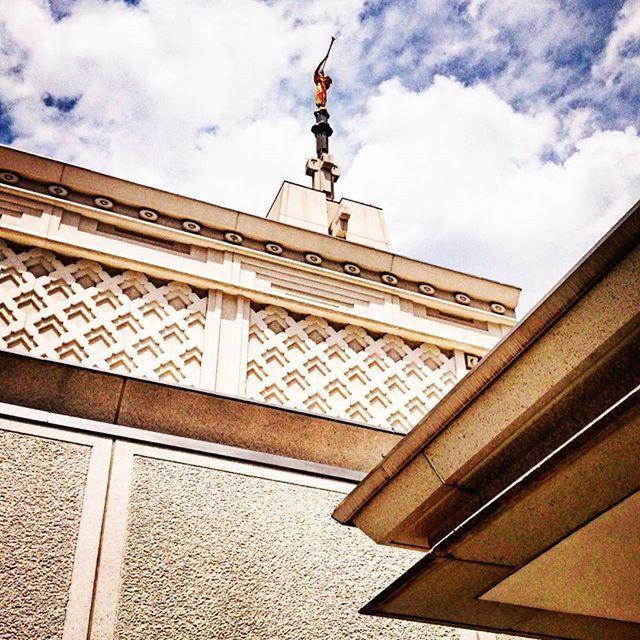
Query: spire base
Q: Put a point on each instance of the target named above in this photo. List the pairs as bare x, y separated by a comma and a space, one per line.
324, 174
323, 170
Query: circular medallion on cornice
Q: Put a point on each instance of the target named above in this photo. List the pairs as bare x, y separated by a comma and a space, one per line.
148, 214
191, 226
274, 248
496, 307
233, 237
11, 178
313, 258
58, 190
351, 269
462, 298
389, 278
427, 289
103, 203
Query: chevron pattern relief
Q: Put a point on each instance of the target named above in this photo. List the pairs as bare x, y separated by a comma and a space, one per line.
79, 312
308, 363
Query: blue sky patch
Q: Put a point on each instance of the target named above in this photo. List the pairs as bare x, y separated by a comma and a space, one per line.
561, 60
211, 129
60, 9
374, 9
64, 104
7, 134
631, 48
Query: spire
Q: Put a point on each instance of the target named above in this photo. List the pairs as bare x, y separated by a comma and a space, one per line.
316, 209
323, 170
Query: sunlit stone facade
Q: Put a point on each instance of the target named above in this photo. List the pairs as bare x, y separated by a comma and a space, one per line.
306, 309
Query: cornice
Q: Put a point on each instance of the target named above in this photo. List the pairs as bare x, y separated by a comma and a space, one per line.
475, 337
76, 186
583, 337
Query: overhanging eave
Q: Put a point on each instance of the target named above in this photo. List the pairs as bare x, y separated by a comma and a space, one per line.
568, 360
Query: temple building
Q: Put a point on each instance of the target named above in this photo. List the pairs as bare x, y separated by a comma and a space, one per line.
195, 400
188, 393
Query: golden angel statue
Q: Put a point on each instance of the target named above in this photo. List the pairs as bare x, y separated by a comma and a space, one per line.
322, 81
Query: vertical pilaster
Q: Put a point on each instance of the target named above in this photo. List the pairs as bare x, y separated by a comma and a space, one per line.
211, 338
496, 329
233, 338
461, 366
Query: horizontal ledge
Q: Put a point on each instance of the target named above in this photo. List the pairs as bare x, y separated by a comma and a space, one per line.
290, 437
176, 442
619, 243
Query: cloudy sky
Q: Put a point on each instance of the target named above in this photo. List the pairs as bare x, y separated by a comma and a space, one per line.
500, 136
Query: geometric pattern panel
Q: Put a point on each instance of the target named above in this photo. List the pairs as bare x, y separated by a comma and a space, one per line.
79, 312
347, 372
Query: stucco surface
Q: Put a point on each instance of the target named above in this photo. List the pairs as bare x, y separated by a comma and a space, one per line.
212, 554
41, 493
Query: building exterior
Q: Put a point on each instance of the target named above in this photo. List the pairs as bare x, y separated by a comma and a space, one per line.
187, 393
523, 484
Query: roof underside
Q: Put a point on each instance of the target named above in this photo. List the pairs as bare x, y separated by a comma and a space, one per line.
557, 555
522, 483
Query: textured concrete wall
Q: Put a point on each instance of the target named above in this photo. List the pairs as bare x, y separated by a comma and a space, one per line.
41, 494
212, 554
206, 553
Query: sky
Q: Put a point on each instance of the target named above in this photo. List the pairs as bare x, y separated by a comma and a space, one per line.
501, 137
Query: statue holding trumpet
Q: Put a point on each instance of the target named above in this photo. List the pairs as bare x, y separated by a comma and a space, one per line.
321, 80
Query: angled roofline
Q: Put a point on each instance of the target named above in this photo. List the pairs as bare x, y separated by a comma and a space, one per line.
610, 250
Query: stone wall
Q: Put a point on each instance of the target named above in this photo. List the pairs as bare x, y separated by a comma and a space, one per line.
52, 494
42, 486
192, 546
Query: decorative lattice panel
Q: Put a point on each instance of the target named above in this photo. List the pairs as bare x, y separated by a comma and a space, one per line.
344, 371
80, 313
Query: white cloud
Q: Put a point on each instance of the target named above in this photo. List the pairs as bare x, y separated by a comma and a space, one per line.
474, 7
463, 182
214, 99
153, 79
626, 30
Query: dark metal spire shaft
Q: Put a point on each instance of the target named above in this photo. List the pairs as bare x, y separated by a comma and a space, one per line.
322, 131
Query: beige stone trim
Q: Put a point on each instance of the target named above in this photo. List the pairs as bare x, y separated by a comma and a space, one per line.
211, 340
231, 373
204, 419
56, 233
84, 565
103, 616
585, 325
446, 336
87, 182
155, 439
588, 479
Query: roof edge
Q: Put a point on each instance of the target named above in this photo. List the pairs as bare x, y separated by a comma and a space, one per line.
44, 168
611, 249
